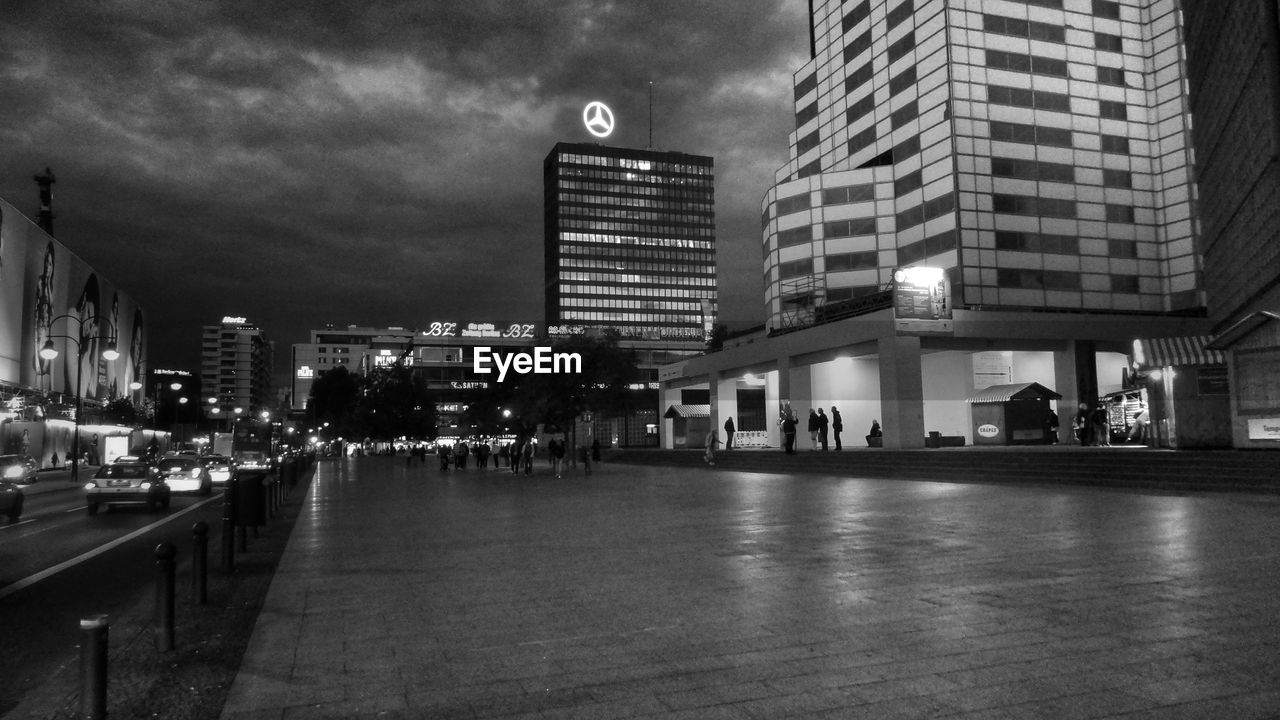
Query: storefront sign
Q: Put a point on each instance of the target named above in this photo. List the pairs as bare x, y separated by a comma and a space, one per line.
305, 372
481, 330
1264, 428
988, 430
229, 320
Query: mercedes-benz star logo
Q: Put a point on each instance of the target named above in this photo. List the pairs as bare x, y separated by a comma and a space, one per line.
598, 118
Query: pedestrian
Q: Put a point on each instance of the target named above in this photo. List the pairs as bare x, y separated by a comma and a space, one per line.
556, 450
1101, 426
494, 450
712, 439
527, 455
93, 451
584, 457
823, 423
482, 454
460, 454
1052, 423
504, 453
595, 449
813, 430
1139, 430
513, 454
1083, 426
442, 451
728, 433
789, 433
837, 425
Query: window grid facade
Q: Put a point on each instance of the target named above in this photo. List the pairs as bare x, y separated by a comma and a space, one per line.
1063, 125
630, 240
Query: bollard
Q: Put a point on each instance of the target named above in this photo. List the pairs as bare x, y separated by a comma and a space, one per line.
93, 667
200, 562
228, 526
164, 596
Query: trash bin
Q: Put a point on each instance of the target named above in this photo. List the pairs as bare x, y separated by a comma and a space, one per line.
250, 508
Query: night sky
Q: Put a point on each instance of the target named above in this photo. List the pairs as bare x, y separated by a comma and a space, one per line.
370, 163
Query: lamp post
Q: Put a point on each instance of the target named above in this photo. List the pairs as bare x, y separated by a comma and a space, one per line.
49, 352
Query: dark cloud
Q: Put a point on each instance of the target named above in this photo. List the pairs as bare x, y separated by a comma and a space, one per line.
308, 162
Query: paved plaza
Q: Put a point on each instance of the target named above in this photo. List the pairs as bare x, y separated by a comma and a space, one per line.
651, 592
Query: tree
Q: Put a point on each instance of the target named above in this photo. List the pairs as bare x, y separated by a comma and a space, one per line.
719, 333
333, 399
602, 387
395, 403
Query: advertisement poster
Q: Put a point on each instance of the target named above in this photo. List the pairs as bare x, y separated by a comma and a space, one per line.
921, 300
49, 295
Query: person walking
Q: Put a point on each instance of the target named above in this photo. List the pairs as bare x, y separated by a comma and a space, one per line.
789, 433
823, 423
584, 457
813, 430
712, 439
527, 456
837, 425
1101, 426
728, 433
1083, 426
555, 449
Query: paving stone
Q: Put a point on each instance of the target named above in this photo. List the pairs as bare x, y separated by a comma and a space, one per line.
671, 592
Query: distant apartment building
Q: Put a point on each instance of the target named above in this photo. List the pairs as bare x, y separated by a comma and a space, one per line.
235, 369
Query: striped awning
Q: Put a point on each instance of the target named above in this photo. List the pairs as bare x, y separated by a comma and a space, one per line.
688, 411
1175, 352
1016, 391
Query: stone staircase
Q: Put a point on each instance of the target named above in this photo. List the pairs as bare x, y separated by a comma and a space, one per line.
1255, 471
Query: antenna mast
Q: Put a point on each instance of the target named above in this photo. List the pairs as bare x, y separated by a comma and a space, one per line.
650, 146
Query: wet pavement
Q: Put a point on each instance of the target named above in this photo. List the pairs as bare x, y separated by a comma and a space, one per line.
651, 592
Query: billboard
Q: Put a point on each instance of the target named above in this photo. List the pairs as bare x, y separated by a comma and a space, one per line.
47, 294
921, 300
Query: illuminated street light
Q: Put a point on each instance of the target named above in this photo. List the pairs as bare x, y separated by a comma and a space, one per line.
49, 352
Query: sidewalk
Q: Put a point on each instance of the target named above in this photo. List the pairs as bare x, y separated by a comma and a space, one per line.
652, 592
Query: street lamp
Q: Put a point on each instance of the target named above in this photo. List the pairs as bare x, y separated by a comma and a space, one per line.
49, 352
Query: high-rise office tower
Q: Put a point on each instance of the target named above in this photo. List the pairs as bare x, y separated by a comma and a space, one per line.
1233, 51
235, 369
630, 242
1036, 149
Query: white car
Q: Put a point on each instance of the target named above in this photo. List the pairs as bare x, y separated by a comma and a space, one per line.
185, 474
219, 467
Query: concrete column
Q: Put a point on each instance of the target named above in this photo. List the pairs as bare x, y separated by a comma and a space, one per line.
901, 392
726, 406
1064, 378
713, 386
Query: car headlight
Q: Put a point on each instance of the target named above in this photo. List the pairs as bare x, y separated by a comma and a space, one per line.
145, 486
13, 471
90, 486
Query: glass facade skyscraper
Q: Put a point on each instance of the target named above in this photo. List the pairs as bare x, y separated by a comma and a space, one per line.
1036, 149
630, 241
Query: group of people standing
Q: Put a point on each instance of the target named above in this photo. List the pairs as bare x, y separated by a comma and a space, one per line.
820, 426
516, 455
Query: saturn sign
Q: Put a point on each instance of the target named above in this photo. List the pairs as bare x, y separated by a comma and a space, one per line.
598, 118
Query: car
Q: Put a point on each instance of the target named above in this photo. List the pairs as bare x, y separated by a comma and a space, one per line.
219, 467
185, 474
127, 483
10, 500
20, 469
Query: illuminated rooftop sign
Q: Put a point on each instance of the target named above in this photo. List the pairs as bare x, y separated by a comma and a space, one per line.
230, 320
598, 118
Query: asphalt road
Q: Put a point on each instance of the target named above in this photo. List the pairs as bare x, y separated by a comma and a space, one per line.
58, 565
